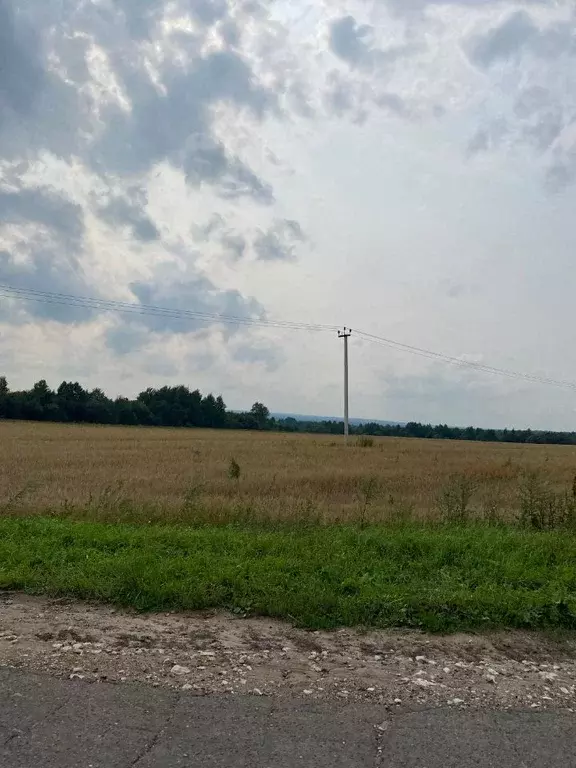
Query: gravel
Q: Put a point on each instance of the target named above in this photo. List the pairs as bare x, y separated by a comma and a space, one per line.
218, 653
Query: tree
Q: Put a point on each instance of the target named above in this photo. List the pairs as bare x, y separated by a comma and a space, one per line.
213, 411
261, 414
42, 393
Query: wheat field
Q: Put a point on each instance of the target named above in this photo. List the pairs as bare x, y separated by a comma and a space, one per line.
136, 473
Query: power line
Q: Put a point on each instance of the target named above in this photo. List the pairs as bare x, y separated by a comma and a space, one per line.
86, 302
382, 341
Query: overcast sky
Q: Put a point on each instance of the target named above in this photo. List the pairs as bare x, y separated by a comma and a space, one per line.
404, 167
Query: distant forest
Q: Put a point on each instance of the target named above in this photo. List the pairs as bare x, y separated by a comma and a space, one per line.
181, 407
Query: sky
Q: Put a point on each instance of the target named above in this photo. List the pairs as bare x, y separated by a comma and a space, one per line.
402, 167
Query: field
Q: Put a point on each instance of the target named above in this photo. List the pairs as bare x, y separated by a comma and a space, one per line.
169, 475
437, 535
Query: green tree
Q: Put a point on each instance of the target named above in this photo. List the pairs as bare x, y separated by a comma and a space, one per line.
261, 415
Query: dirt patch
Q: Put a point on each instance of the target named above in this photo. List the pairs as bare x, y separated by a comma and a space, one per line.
219, 653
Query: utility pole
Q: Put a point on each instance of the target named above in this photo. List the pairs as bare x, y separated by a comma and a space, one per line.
345, 334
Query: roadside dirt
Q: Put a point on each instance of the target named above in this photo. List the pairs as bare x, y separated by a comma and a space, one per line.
218, 653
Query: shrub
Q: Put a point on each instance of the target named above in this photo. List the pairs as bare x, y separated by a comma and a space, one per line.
455, 497
544, 509
234, 469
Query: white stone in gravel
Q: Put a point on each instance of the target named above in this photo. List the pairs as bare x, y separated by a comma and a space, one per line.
307, 692
187, 687
178, 669
548, 676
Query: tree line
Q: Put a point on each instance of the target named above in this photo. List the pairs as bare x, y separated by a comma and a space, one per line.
181, 407
429, 431
164, 407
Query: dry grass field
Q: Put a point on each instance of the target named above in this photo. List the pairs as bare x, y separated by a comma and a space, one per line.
133, 473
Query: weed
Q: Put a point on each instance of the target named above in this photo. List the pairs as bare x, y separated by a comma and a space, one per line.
491, 509
110, 503
191, 502
455, 497
542, 508
364, 441
369, 490
234, 470
15, 499
400, 512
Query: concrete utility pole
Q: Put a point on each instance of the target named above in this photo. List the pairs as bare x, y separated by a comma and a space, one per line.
345, 334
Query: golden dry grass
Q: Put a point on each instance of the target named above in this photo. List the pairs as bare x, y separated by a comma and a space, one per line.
112, 471
178, 474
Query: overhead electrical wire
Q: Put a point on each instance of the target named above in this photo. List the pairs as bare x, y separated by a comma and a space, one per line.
86, 302
382, 341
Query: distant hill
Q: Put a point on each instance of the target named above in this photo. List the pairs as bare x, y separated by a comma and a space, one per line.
356, 422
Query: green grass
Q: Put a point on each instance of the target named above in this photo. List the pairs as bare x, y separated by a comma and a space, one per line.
439, 578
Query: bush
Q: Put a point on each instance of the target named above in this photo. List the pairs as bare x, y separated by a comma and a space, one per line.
542, 508
455, 497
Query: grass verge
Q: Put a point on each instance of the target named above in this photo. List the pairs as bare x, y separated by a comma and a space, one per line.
438, 578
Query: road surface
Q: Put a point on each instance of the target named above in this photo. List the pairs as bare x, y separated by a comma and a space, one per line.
54, 723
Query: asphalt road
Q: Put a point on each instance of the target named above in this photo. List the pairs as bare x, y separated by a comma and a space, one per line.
71, 724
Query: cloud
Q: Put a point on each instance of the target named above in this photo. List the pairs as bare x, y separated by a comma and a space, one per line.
256, 353
117, 89
128, 210
21, 73
175, 126
46, 266
45, 208
407, 7
141, 113
232, 243
194, 293
503, 41
348, 40
535, 91
517, 35
47, 257
278, 242
354, 44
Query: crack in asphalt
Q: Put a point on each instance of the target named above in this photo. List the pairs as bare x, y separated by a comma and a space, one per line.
18, 734
149, 746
